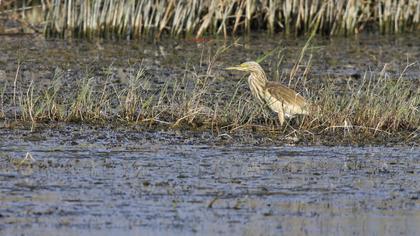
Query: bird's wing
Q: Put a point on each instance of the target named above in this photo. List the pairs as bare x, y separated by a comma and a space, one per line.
286, 94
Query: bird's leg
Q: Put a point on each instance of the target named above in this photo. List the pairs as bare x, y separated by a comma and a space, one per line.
281, 116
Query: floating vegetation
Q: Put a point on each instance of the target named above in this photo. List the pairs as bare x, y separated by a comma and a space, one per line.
130, 19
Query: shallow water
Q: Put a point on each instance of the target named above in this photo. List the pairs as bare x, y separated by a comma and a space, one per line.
86, 182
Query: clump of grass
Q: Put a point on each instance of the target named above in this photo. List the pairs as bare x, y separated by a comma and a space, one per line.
135, 19
372, 106
132, 100
38, 104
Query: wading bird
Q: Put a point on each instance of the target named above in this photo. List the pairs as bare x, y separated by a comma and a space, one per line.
279, 98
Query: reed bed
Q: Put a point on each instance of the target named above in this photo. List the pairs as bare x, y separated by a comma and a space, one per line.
131, 19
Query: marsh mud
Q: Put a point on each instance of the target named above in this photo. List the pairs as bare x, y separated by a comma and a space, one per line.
169, 58
81, 180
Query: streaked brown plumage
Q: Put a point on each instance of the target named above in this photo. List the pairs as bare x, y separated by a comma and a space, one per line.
281, 99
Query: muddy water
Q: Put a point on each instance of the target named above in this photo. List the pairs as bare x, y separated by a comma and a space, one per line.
88, 181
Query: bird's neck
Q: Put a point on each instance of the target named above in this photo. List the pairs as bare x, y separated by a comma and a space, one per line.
259, 77
257, 82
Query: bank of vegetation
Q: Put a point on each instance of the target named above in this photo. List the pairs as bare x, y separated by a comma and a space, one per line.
375, 104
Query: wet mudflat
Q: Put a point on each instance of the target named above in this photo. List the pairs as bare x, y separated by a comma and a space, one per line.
90, 181
119, 176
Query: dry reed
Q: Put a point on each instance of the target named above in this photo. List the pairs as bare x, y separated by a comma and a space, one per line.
130, 19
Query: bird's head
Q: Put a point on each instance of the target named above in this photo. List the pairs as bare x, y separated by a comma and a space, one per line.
250, 66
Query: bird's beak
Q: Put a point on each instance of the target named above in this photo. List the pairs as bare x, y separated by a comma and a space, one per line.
235, 68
